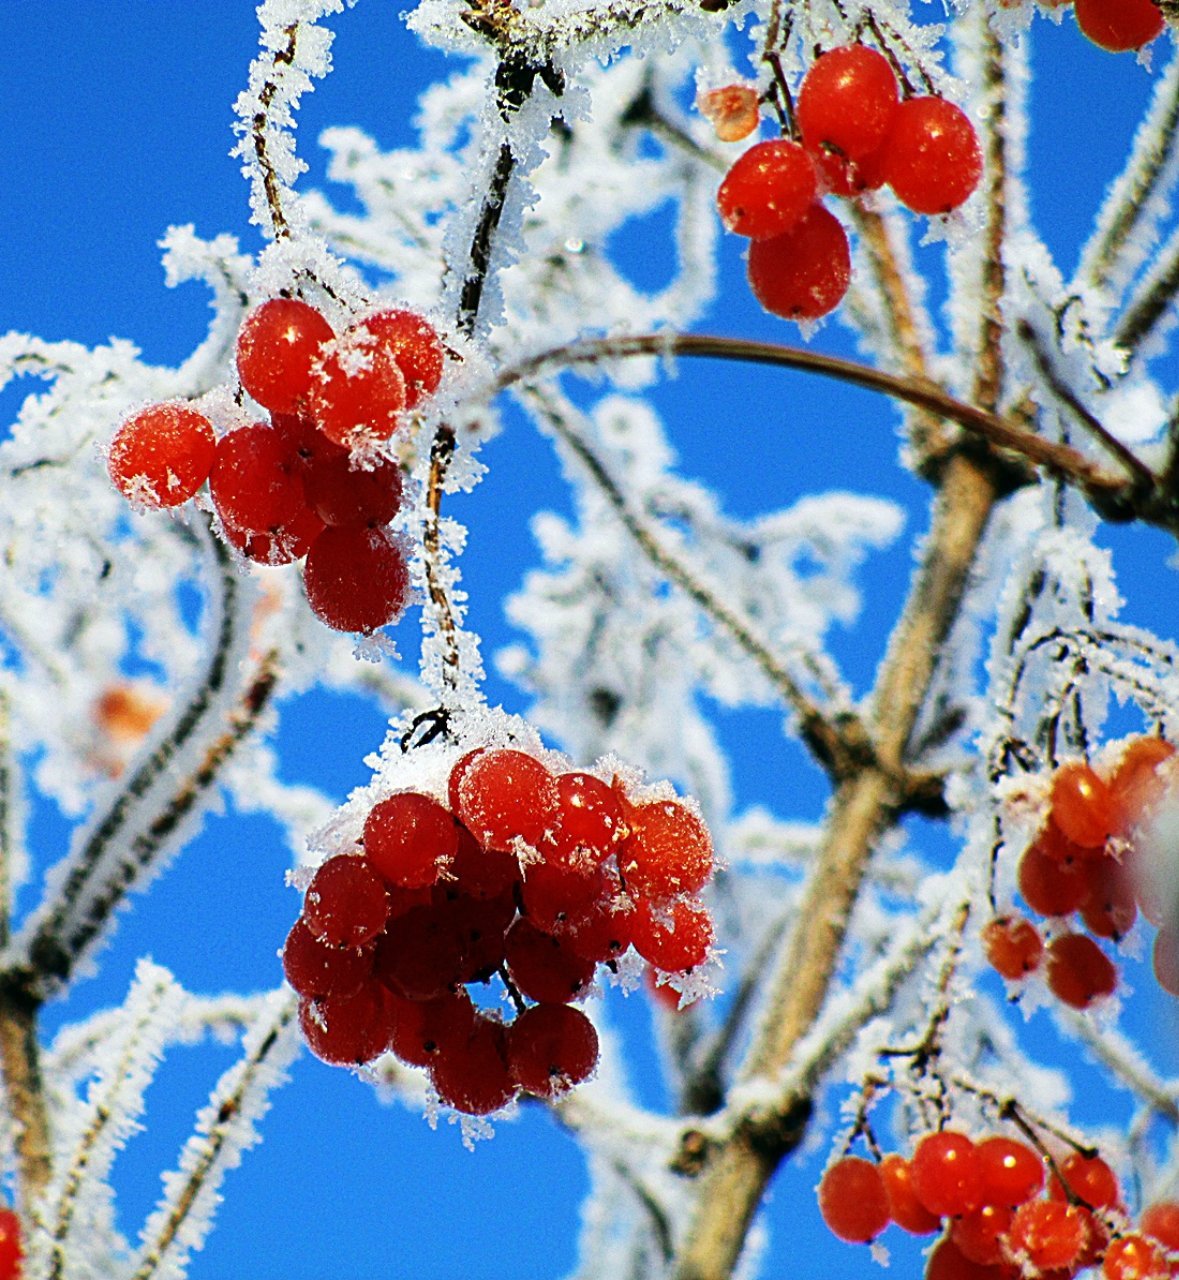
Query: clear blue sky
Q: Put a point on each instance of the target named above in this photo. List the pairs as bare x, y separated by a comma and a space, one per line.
116, 123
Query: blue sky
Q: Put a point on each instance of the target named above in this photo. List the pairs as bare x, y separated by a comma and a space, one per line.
117, 123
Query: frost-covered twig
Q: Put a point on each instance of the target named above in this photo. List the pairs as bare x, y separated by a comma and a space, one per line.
1111, 1048
1152, 301
225, 1128
24, 1091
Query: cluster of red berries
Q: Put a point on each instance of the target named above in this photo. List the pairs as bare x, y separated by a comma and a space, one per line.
311, 484
987, 1199
857, 134
532, 876
1084, 862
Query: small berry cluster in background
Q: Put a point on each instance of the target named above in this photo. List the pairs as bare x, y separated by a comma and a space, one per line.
1086, 861
988, 1199
311, 484
523, 874
856, 134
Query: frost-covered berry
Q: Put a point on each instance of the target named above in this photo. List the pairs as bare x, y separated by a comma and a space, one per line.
162, 455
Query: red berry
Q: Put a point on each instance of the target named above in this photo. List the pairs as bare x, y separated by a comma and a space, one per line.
1109, 910
420, 954
948, 1262
556, 898
1013, 946
668, 851
603, 931
1161, 1222
545, 968
422, 1029
551, 1048
254, 481
359, 392
1119, 25
356, 578
483, 873
843, 177
1088, 1178
472, 1076
1049, 887
279, 545
1139, 781
1083, 805
342, 492
1134, 1257
346, 905
347, 1031
947, 1175
982, 1233
410, 839
847, 101
276, 352
414, 346
11, 1250
505, 796
732, 110
674, 937
589, 821
315, 968
1011, 1171
903, 1206
162, 455
1079, 972
932, 159
803, 274
1049, 1233
853, 1201
768, 190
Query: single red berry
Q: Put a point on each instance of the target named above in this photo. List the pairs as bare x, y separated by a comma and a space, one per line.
668, 851
948, 1262
1049, 1233
1139, 781
903, 1206
588, 823
356, 578
1088, 1178
1161, 1222
1083, 805
768, 190
483, 873
343, 491
932, 158
545, 968
1079, 972
1119, 25
414, 346
556, 898
843, 177
422, 1029
358, 393
982, 1234
604, 930
947, 1175
254, 481
1135, 1257
847, 101
480, 926
277, 349
315, 968
853, 1201
1049, 887
420, 954
346, 904
11, 1249
162, 455
410, 839
347, 1031
551, 1048
803, 274
1013, 946
505, 796
674, 937
1011, 1171
473, 1077
1109, 909
282, 544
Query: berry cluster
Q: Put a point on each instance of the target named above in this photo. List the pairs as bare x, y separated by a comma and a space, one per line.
1084, 862
311, 484
532, 876
856, 134
988, 1199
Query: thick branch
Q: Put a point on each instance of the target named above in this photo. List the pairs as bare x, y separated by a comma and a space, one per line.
24, 1094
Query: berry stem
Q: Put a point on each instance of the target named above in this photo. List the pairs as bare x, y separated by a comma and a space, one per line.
260, 125
24, 1093
441, 452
